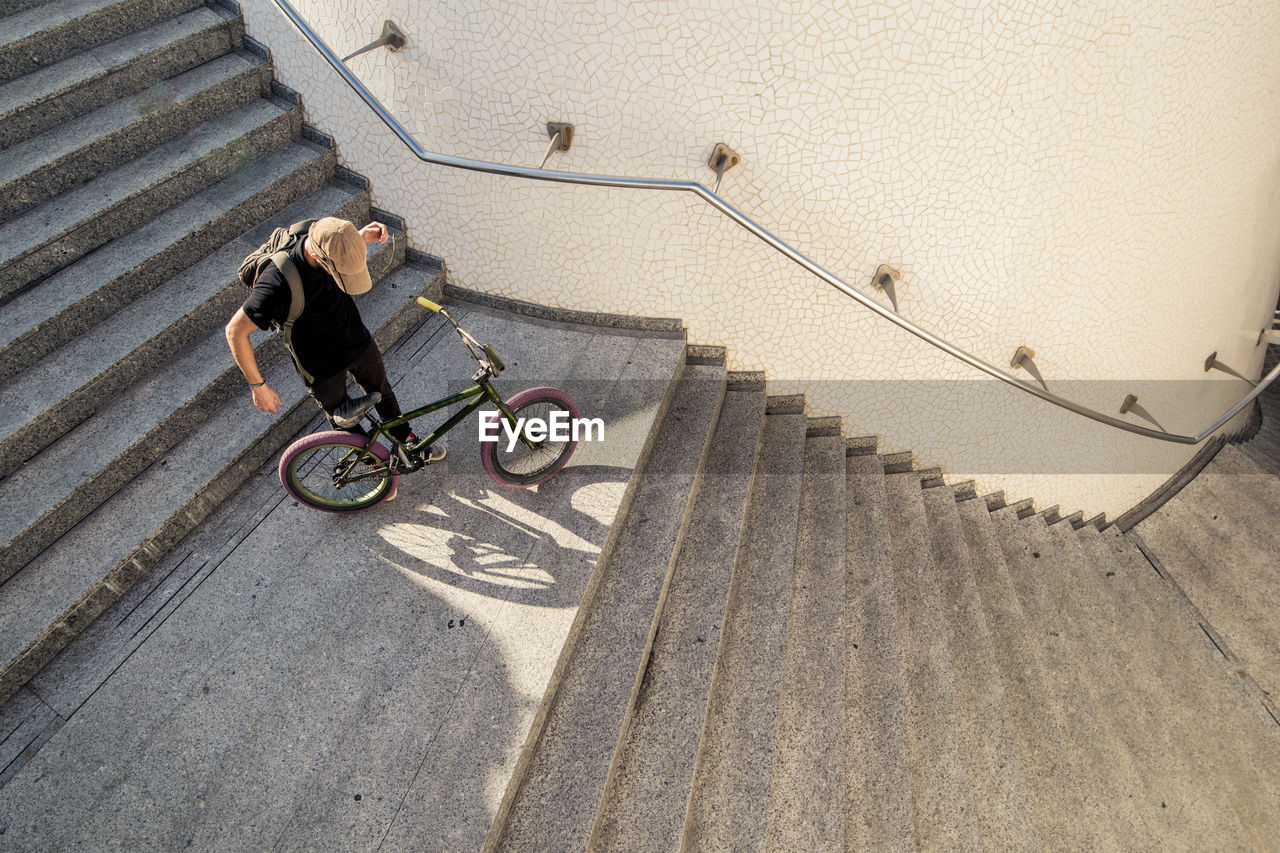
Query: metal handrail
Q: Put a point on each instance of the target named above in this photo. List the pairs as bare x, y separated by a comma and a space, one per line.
760, 232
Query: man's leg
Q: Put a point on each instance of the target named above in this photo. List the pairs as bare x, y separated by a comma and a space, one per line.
329, 393
370, 372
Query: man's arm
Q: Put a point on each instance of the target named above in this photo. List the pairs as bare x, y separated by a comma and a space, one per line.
375, 232
238, 331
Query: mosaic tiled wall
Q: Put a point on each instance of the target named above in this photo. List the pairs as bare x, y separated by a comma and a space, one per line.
1098, 182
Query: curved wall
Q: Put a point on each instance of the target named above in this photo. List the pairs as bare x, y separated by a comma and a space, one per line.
1101, 188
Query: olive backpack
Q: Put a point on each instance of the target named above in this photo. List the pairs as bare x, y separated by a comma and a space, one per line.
276, 252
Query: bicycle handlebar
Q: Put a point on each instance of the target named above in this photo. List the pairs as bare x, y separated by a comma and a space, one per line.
484, 354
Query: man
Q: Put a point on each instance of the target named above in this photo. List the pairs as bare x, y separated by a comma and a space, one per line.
329, 338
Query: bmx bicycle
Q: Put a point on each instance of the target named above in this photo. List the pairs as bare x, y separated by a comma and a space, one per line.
341, 471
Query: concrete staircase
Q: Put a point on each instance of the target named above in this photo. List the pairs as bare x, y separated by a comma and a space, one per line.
787, 641
847, 654
145, 151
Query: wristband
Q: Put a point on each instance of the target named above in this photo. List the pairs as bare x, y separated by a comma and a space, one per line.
257, 384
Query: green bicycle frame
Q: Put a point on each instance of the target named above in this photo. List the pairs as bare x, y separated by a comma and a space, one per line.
479, 394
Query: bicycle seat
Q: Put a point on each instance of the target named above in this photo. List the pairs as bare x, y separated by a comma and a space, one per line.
350, 411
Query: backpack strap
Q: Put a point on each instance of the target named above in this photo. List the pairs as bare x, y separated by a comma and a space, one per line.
297, 303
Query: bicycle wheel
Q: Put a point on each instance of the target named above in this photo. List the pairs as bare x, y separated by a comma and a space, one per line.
523, 466
337, 471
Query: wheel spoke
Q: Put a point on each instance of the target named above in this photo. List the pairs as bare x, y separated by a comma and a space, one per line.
337, 476
529, 462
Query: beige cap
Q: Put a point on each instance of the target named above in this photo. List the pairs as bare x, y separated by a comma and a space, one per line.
342, 253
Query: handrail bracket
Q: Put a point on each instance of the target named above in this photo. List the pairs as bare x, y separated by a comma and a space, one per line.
1212, 363
885, 279
392, 38
1024, 359
723, 158
561, 136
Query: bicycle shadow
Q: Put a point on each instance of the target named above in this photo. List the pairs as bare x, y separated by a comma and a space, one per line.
531, 547
513, 565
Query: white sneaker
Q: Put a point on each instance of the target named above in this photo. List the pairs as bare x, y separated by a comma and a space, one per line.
413, 460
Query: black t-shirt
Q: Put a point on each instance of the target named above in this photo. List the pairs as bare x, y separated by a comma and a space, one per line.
329, 333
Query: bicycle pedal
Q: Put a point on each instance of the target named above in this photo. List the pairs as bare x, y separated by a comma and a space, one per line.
406, 461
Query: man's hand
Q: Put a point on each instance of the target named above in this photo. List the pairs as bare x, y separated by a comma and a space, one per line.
375, 232
266, 399
237, 332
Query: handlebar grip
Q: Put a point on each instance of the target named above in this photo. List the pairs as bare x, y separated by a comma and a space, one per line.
493, 358
427, 303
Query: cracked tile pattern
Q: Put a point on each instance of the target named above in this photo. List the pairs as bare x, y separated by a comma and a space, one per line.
1096, 181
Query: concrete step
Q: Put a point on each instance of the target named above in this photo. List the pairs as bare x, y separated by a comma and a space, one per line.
1056, 728
40, 37
729, 806
74, 153
1040, 723
1265, 452
1209, 787
1001, 795
1268, 405
647, 798
1205, 568
589, 706
45, 497
1235, 462
79, 84
1132, 697
1100, 763
1242, 492
9, 8
1264, 447
878, 808
1224, 601
69, 384
57, 595
941, 788
73, 300
1244, 745
1270, 402
1218, 539
806, 796
58, 232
